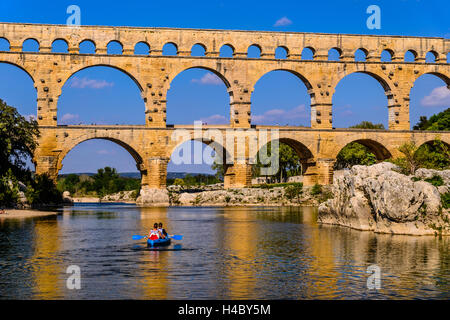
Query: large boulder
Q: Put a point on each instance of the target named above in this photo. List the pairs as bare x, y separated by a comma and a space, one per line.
380, 199
153, 197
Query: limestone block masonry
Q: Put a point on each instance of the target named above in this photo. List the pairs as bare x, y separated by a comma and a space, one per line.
151, 144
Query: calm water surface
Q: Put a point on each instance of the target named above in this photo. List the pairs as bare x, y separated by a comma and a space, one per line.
226, 253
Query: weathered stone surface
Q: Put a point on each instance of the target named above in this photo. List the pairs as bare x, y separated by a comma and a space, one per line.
66, 197
122, 196
151, 144
382, 200
153, 197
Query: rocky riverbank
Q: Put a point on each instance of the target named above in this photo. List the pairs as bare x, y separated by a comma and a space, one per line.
216, 195
380, 199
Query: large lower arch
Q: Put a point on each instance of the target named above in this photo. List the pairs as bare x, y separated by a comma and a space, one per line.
348, 112
306, 161
213, 152
100, 94
377, 148
17, 89
198, 93
429, 95
71, 145
281, 97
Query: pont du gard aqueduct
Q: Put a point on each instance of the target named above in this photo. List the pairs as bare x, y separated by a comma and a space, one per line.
151, 144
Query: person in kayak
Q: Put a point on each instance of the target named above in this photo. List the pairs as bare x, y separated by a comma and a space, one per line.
162, 230
154, 234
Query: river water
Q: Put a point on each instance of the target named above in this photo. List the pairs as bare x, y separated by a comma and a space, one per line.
226, 253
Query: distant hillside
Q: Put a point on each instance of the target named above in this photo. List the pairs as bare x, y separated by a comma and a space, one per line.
137, 175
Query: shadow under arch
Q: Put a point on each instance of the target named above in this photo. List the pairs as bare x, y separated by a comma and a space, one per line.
132, 151
73, 73
379, 150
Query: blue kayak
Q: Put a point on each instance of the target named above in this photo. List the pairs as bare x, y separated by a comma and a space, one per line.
159, 242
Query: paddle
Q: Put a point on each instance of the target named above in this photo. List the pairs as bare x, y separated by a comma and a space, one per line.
174, 237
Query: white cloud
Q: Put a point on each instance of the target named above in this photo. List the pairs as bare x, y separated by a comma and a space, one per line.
90, 83
30, 117
209, 78
69, 118
438, 97
282, 22
280, 116
215, 119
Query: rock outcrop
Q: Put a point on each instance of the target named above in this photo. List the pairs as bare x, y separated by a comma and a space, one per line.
380, 199
153, 197
122, 196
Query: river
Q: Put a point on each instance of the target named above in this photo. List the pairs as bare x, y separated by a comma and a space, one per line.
226, 253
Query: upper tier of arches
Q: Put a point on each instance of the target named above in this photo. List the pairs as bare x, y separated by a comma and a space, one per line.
291, 45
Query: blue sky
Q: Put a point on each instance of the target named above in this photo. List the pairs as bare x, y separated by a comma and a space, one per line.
279, 97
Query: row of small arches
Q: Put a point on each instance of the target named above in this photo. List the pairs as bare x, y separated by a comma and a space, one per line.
226, 51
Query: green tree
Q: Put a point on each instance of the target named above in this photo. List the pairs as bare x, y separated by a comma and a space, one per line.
437, 122
289, 162
368, 125
354, 154
294, 191
434, 155
17, 141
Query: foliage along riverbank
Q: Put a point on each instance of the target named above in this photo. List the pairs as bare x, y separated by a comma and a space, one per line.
19, 187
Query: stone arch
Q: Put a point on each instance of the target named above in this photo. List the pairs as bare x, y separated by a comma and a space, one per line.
21, 68
220, 94
168, 45
444, 139
305, 81
198, 45
305, 52
227, 45
119, 68
335, 51
6, 41
60, 40
87, 41
304, 153
433, 55
114, 43
378, 149
297, 75
175, 73
363, 51
144, 45
258, 47
414, 55
387, 55
442, 76
215, 145
379, 77
33, 40
75, 142
282, 51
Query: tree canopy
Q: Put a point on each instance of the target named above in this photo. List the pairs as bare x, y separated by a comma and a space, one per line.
17, 140
368, 125
437, 122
